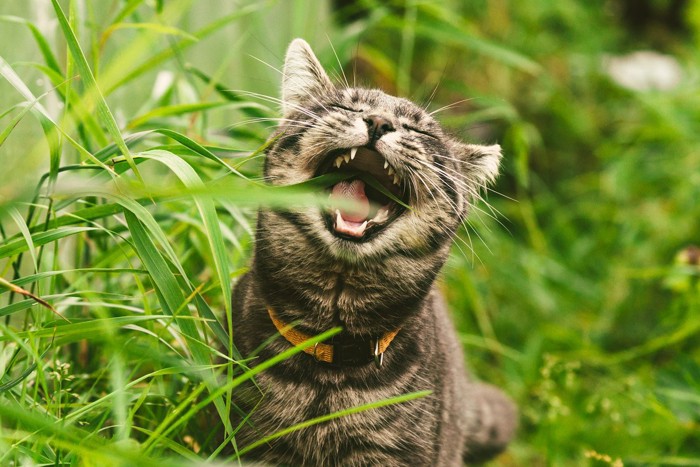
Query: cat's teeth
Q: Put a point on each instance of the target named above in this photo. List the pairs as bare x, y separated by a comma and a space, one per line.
350, 228
396, 179
381, 216
386, 164
346, 157
390, 171
338, 161
353, 151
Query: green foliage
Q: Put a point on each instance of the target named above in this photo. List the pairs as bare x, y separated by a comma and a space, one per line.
131, 159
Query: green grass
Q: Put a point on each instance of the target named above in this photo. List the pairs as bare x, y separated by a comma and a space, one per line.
130, 142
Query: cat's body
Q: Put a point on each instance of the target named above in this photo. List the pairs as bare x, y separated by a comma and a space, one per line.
368, 265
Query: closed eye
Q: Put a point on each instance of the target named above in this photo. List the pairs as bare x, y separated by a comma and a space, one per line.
348, 109
422, 132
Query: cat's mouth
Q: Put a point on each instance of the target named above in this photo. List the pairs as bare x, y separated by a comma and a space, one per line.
360, 205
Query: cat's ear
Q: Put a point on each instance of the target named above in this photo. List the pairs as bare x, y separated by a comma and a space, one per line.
303, 78
479, 163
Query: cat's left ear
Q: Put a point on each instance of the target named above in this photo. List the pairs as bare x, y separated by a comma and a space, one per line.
479, 163
303, 78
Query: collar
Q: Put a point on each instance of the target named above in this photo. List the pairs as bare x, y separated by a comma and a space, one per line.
343, 349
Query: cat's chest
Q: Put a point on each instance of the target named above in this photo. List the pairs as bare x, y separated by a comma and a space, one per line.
342, 421
299, 400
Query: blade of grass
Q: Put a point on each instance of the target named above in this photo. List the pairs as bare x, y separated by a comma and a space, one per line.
82, 271
333, 416
435, 25
171, 296
172, 300
41, 41
19, 290
18, 245
207, 211
127, 10
73, 107
184, 44
181, 139
78, 327
408, 39
84, 410
330, 179
45, 119
183, 109
247, 375
12, 383
83, 216
105, 115
225, 92
198, 149
17, 307
83, 443
24, 231
155, 27
26, 107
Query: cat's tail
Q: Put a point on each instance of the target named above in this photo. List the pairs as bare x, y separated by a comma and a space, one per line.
498, 420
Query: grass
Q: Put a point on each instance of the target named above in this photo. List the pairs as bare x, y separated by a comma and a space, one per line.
129, 187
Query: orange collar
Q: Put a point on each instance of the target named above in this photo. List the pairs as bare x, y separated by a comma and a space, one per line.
344, 351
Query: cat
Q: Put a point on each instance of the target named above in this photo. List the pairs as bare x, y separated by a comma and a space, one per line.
367, 262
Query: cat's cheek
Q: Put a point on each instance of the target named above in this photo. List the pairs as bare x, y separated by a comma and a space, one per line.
357, 134
354, 134
390, 144
411, 234
287, 175
392, 139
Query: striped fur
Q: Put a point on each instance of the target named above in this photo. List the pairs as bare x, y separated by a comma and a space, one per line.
320, 280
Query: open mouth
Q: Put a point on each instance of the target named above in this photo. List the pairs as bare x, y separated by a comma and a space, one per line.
360, 205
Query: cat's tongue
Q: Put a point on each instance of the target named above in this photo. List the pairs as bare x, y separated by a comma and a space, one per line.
352, 214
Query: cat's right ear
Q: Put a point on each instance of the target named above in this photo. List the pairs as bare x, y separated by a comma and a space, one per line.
303, 77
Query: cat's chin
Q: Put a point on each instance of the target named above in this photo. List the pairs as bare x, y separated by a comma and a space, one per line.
369, 196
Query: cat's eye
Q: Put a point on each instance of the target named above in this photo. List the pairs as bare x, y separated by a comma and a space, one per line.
348, 109
417, 130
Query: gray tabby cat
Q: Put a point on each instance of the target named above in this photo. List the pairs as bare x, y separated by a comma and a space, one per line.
367, 264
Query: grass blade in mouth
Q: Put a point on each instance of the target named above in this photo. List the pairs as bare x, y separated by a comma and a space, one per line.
330, 179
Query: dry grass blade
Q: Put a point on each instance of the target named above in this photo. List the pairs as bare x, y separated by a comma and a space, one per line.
19, 290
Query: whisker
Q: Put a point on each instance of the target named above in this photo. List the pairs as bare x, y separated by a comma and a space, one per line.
276, 100
266, 64
434, 91
471, 192
340, 66
469, 245
450, 106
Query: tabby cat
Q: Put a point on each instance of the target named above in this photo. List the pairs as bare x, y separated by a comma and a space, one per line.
368, 263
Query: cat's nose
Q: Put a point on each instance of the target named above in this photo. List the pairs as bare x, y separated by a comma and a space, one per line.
377, 126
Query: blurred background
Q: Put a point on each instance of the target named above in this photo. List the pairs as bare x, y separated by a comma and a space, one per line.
576, 288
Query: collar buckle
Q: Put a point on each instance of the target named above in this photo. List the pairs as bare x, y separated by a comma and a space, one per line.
378, 356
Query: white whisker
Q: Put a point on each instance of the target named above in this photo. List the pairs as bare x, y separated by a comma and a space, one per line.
340, 65
449, 106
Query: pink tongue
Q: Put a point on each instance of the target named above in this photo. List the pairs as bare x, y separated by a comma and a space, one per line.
352, 192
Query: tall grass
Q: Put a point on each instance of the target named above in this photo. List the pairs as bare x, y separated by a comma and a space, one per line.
117, 262
130, 180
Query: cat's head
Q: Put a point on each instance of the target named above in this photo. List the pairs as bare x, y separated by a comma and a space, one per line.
385, 140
